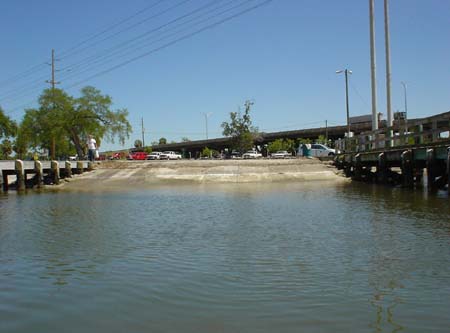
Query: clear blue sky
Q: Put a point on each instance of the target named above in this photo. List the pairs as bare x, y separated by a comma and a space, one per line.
283, 56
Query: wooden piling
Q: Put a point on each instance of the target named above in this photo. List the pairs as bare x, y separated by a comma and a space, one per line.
38, 169
79, 167
68, 169
382, 176
431, 169
358, 168
407, 169
20, 174
90, 166
448, 170
54, 165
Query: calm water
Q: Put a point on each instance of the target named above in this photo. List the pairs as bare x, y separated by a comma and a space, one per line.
253, 258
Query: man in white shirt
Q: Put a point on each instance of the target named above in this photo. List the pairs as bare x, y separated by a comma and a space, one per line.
92, 146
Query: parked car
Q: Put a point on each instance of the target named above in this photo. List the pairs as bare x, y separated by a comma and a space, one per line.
73, 158
115, 156
235, 154
251, 154
319, 150
154, 155
281, 154
138, 155
169, 155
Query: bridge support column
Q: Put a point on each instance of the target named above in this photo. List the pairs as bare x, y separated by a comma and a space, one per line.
20, 174
68, 169
79, 167
54, 166
407, 169
39, 178
382, 170
431, 169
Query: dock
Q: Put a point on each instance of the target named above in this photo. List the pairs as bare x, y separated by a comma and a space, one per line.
412, 156
30, 174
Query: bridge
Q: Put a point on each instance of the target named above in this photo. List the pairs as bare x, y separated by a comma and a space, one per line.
194, 148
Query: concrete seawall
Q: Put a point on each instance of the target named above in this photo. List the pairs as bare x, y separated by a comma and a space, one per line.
133, 173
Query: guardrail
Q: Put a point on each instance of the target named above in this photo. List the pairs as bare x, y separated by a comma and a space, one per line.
427, 131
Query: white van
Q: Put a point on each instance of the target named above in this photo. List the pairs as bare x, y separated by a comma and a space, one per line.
318, 150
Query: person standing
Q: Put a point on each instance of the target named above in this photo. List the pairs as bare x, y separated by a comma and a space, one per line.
92, 147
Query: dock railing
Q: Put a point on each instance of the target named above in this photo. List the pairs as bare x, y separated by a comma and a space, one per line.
430, 130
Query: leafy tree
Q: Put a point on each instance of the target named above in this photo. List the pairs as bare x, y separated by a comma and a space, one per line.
185, 139
68, 121
240, 129
162, 141
138, 144
280, 144
5, 149
8, 127
322, 139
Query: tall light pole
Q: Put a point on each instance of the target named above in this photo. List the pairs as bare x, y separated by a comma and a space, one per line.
207, 115
346, 71
388, 65
373, 75
406, 104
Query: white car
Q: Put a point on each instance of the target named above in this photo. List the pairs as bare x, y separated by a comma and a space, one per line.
169, 155
319, 150
281, 154
251, 154
156, 155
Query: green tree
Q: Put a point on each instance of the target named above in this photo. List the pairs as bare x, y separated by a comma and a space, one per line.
5, 149
240, 129
162, 141
68, 121
8, 127
280, 144
185, 139
138, 144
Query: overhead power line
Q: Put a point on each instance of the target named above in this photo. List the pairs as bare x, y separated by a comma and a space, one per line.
192, 34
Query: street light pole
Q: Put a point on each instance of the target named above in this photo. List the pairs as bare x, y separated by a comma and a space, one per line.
207, 115
406, 104
346, 72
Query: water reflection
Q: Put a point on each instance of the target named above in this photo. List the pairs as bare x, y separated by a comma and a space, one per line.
253, 258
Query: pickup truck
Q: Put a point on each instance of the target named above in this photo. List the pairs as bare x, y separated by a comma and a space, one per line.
169, 155
251, 154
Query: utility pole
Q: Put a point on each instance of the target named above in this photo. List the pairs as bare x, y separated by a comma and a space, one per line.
326, 131
143, 131
207, 115
373, 66
406, 105
53, 84
388, 68
346, 72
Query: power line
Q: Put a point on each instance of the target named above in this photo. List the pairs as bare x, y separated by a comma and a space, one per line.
210, 26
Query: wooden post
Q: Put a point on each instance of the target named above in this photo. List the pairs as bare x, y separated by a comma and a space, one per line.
382, 169
39, 173
431, 169
358, 168
68, 169
54, 165
79, 167
407, 169
90, 166
5, 180
20, 174
448, 170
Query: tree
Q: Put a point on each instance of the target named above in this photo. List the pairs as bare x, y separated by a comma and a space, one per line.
240, 129
5, 149
138, 144
280, 144
162, 141
185, 139
68, 121
8, 127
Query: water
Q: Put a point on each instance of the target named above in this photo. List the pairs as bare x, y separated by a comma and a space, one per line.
235, 258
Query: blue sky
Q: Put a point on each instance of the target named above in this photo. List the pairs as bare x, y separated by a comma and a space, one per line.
283, 56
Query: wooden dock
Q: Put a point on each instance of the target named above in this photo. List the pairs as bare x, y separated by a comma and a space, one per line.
399, 155
29, 174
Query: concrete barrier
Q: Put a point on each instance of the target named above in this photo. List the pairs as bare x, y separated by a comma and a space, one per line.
54, 166
20, 174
